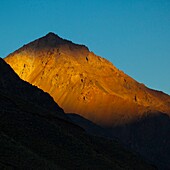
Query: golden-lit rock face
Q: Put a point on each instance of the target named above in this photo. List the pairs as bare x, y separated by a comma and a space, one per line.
83, 83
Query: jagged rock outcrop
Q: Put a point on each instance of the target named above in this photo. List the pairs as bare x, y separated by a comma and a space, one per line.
36, 134
83, 83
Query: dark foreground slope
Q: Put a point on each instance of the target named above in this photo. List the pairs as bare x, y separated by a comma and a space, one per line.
36, 134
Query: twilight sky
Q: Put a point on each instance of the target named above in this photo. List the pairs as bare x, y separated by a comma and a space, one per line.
133, 34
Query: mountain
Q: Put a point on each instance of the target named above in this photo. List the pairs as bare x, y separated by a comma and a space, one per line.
83, 83
35, 133
88, 85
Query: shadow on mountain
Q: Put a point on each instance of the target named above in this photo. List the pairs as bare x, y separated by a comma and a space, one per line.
148, 136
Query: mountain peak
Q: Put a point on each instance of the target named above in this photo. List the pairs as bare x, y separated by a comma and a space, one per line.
53, 37
53, 40
52, 34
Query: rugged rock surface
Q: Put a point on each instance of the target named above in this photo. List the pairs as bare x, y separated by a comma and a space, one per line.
36, 134
83, 83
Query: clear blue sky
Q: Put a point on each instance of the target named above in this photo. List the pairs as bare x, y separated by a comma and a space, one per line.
133, 34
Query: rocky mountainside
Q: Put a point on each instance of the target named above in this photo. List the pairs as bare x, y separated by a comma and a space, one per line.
35, 133
86, 84
83, 83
